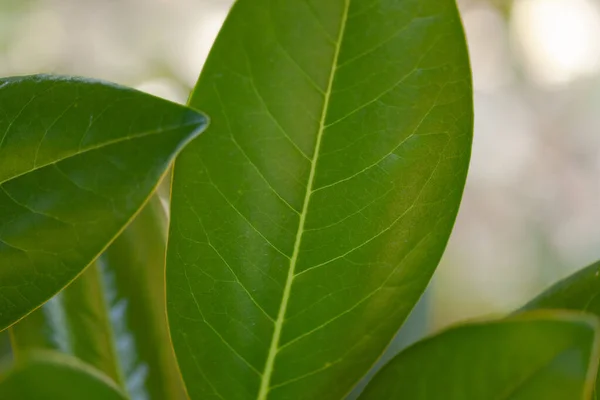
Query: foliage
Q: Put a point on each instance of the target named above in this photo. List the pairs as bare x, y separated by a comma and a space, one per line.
305, 223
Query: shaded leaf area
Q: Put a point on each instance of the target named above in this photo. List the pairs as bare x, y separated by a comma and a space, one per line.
414, 328
76, 322
580, 291
551, 356
309, 219
5, 346
78, 158
113, 316
51, 376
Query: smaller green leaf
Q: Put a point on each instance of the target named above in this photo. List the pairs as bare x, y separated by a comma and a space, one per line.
113, 315
78, 159
531, 356
580, 291
75, 322
51, 376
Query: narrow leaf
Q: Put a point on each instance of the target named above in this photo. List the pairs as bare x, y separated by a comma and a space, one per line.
78, 159
50, 376
528, 357
307, 222
113, 316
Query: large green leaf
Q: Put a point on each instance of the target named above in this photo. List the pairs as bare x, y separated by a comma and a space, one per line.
308, 221
529, 357
113, 315
52, 376
78, 159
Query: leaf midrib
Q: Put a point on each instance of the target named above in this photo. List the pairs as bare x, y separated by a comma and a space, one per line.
265, 384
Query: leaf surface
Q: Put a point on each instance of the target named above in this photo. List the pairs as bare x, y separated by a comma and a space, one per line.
51, 376
78, 159
580, 291
75, 321
528, 357
113, 316
307, 222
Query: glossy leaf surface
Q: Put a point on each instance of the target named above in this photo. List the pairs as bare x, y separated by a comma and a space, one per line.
52, 376
529, 357
113, 315
78, 158
307, 222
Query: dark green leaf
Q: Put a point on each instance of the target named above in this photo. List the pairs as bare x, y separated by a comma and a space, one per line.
113, 315
52, 376
550, 356
78, 159
308, 221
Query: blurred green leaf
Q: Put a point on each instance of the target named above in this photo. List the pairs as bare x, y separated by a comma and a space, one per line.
307, 222
53, 376
78, 159
113, 315
550, 356
580, 291
414, 328
76, 321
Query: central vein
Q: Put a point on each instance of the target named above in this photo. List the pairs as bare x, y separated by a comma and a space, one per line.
274, 348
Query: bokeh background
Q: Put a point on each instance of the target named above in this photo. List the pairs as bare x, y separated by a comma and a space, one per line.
531, 210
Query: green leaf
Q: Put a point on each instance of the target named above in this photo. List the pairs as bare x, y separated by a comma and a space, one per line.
307, 222
76, 322
580, 291
112, 317
78, 159
51, 376
550, 356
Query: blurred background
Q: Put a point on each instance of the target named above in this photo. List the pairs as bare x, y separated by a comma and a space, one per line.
531, 210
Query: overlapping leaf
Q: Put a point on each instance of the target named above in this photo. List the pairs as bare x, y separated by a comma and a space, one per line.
307, 222
527, 357
113, 316
78, 159
580, 291
76, 322
52, 376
